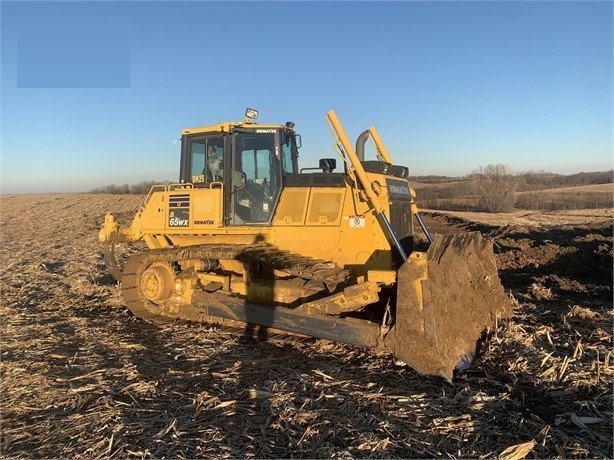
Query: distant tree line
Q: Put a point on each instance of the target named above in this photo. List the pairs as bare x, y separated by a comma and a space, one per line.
433, 179
534, 180
540, 180
493, 188
140, 188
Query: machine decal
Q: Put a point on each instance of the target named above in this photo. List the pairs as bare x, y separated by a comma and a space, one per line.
179, 210
357, 221
398, 190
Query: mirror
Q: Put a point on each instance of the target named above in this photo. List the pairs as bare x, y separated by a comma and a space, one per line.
328, 165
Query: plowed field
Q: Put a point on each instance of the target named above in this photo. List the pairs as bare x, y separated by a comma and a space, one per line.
81, 377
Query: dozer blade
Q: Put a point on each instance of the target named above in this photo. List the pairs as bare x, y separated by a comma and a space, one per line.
446, 299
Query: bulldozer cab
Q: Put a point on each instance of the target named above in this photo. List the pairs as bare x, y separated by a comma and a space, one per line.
248, 163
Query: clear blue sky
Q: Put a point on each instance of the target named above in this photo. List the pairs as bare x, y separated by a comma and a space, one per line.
97, 93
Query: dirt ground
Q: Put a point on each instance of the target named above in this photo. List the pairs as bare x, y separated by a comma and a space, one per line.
83, 378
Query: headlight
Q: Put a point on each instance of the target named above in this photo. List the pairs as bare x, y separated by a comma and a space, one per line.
251, 113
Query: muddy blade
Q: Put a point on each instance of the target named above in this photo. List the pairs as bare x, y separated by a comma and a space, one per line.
445, 301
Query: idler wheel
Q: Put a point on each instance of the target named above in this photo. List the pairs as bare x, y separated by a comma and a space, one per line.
157, 282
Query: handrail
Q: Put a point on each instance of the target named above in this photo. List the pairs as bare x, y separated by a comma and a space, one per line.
153, 189
185, 185
164, 188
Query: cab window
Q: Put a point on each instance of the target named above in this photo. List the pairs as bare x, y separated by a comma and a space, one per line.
207, 163
256, 165
287, 146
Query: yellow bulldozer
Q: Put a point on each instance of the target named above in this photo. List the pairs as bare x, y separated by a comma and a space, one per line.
247, 239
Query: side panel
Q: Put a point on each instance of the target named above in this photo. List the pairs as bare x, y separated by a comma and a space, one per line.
325, 206
179, 210
330, 223
363, 245
310, 206
292, 207
153, 214
301, 221
197, 209
207, 208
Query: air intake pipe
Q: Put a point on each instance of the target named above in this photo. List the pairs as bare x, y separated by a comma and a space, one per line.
360, 144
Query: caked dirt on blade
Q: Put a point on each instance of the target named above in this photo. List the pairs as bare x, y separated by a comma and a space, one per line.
81, 377
461, 300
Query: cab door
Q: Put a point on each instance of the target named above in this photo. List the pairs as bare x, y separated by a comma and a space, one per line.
256, 177
203, 165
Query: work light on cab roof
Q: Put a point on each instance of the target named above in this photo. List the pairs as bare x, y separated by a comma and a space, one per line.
250, 114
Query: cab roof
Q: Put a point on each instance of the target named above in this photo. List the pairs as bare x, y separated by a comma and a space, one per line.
228, 126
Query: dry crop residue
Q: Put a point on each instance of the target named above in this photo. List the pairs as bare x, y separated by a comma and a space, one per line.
81, 377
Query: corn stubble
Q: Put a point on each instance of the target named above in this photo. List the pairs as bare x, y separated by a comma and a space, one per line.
83, 378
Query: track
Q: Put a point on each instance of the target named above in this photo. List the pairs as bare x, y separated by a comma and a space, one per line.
257, 255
